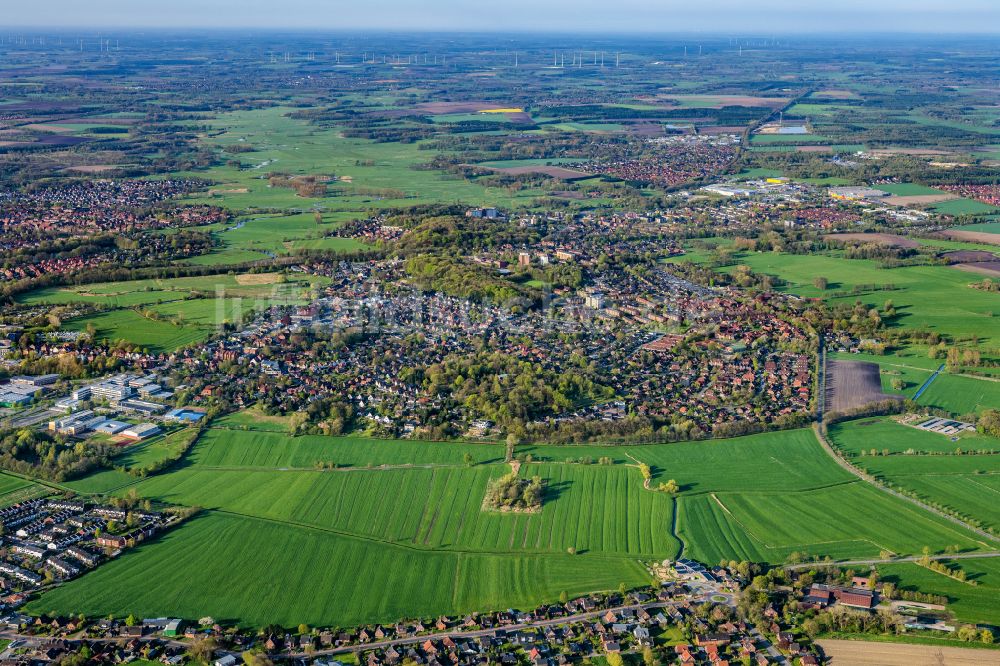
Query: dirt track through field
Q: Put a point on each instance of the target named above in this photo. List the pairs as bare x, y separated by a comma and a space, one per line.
863, 653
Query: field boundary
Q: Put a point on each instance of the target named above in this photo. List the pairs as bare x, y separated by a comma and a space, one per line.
864, 476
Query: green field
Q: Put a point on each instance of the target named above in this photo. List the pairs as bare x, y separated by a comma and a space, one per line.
973, 604
964, 207
857, 438
228, 566
908, 189
936, 298
988, 227
961, 394
966, 484
14, 489
374, 171
155, 449
841, 521
157, 336
101, 482
259, 237
166, 314
270, 509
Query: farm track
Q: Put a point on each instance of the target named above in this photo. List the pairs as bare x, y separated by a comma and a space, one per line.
848, 466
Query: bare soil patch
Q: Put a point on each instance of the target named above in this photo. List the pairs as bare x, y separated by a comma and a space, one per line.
835, 94
235, 190
988, 268
973, 236
926, 152
442, 108
853, 384
919, 199
970, 256
888, 240
863, 653
813, 149
248, 279
721, 129
720, 101
93, 168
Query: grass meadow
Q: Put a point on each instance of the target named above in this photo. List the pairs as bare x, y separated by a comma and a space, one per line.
166, 314
973, 604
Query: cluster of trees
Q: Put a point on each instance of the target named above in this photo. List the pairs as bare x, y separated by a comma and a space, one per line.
943, 569
454, 277
986, 285
989, 422
508, 391
313, 187
512, 493
327, 416
879, 408
40, 454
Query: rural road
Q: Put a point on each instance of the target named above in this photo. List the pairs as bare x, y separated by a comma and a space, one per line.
846, 464
771, 650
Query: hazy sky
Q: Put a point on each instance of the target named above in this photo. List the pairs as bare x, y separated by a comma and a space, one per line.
981, 16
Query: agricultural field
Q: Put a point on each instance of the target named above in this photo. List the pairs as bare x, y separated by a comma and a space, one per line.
589, 508
258, 449
935, 298
835, 521
760, 497
968, 484
219, 564
961, 394
166, 314
975, 604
